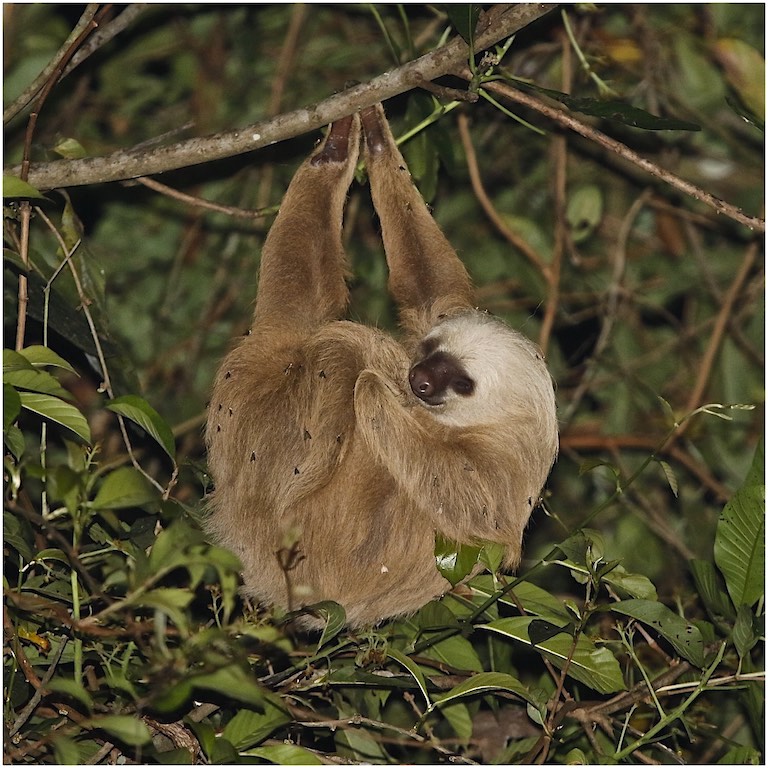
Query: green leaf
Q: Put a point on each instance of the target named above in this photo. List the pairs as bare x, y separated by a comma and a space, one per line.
740, 538
455, 561
413, 668
746, 633
633, 584
14, 441
745, 70
457, 652
232, 682
492, 555
460, 720
285, 754
36, 381
584, 211
142, 413
709, 588
335, 618
13, 361
125, 487
610, 109
71, 149
170, 600
126, 728
39, 355
682, 636
11, 405
66, 750
248, 728
71, 688
741, 755
463, 17
483, 682
14, 187
54, 409
595, 667
17, 534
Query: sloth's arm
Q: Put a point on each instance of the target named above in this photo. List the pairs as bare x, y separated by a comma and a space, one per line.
303, 267
452, 478
424, 270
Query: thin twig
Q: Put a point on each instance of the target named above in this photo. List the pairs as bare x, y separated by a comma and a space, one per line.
104, 34
198, 202
611, 306
754, 223
715, 340
490, 211
97, 343
560, 152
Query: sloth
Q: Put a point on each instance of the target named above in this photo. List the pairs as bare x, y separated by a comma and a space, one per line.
339, 452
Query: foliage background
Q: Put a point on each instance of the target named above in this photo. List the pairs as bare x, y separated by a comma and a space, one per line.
125, 635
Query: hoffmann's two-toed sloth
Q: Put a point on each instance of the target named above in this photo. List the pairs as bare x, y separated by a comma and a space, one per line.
338, 452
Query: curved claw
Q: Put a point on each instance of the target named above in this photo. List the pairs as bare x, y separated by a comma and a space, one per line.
336, 147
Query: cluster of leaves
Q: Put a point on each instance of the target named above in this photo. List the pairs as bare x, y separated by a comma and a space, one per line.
634, 630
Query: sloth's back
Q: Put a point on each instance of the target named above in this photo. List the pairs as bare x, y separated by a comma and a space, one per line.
298, 496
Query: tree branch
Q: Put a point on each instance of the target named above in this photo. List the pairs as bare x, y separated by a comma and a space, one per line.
499, 23
754, 223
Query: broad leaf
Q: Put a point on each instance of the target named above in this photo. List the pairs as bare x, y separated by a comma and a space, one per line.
55, 409
125, 487
39, 355
464, 18
335, 618
139, 411
455, 561
71, 688
484, 682
740, 538
126, 728
682, 636
595, 667
248, 728
11, 405
457, 652
609, 109
36, 381
13, 187
413, 668
285, 754
232, 682
709, 587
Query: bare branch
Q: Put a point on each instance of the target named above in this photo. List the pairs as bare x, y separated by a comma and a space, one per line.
500, 22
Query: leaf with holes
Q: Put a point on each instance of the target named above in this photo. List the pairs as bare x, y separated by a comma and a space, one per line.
682, 636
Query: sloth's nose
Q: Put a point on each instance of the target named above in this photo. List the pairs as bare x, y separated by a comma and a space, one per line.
422, 384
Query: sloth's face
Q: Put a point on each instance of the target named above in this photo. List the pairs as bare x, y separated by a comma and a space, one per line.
473, 369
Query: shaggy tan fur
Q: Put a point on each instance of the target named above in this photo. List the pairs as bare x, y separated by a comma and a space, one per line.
332, 476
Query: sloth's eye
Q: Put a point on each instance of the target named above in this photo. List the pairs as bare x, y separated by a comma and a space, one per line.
463, 386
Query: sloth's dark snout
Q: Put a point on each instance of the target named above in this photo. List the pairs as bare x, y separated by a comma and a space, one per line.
438, 374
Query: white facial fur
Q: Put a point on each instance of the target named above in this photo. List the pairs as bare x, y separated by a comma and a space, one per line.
508, 370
